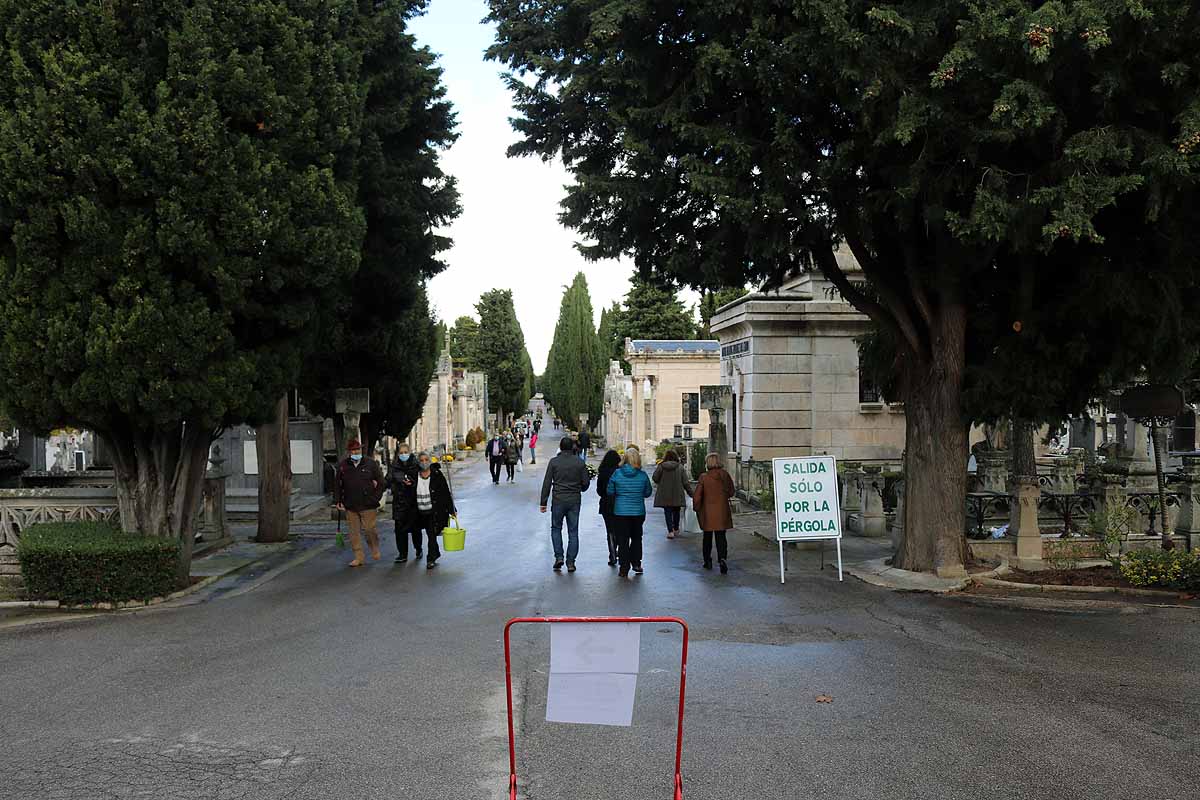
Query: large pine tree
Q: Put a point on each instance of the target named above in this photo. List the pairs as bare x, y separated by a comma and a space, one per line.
577, 362
980, 161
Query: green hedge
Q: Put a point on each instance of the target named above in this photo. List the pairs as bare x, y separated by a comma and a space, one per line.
94, 562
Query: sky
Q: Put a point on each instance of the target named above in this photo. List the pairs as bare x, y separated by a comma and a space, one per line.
508, 236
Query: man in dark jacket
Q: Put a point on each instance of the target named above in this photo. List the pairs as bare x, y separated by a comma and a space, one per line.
497, 451
568, 477
401, 478
357, 488
585, 443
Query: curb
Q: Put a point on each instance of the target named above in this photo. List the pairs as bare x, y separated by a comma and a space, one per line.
996, 583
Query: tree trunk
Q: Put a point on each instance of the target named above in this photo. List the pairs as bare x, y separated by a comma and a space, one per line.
274, 476
339, 437
160, 482
935, 455
1024, 462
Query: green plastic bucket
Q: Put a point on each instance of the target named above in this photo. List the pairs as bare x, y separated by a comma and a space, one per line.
454, 537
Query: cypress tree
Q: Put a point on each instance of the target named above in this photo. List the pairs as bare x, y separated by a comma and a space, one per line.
653, 310
500, 349
577, 362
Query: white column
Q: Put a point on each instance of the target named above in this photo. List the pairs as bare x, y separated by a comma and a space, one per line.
638, 412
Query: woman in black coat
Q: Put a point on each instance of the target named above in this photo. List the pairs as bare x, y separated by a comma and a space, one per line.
401, 477
433, 504
608, 466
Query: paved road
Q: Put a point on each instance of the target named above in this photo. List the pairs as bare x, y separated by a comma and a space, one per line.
387, 682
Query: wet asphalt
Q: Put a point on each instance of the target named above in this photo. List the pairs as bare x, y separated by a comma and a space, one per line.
388, 682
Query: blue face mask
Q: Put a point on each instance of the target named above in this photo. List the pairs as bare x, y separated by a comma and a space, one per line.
357, 457
404, 456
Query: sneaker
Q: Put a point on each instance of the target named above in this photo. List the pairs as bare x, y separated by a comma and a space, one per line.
420, 553
638, 568
612, 562
558, 564
708, 565
402, 559
724, 567
570, 566
431, 563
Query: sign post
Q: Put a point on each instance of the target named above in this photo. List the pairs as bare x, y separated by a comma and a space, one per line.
806, 504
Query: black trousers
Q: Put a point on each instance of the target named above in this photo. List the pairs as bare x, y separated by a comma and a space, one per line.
426, 522
496, 462
612, 528
629, 539
405, 528
722, 546
512, 470
672, 514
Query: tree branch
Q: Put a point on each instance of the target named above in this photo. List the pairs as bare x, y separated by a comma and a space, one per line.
892, 301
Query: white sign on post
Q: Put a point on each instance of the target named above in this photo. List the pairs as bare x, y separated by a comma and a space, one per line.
806, 503
593, 672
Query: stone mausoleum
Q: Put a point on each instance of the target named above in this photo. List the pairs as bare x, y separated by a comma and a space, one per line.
665, 388
790, 359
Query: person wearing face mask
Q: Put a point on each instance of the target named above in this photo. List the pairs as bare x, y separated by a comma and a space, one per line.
357, 490
430, 496
401, 476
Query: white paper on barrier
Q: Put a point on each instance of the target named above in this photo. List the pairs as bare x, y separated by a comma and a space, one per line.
595, 647
591, 698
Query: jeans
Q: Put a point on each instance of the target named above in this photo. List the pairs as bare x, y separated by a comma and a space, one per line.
424, 521
629, 539
512, 471
558, 512
722, 546
612, 529
672, 518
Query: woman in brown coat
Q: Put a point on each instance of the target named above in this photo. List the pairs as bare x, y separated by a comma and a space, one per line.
711, 501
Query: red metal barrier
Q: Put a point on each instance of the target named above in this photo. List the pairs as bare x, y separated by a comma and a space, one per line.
512, 742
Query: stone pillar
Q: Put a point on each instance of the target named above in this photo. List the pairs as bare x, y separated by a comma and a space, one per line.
898, 525
873, 518
993, 470
1063, 472
636, 434
1187, 523
652, 435
1024, 520
215, 525
851, 496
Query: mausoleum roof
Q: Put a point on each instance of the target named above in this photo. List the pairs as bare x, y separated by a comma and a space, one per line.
674, 345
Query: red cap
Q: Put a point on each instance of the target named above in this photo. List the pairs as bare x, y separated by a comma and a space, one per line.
353, 444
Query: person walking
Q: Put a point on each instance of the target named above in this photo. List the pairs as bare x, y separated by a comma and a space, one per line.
585, 443
496, 455
608, 465
672, 490
629, 487
533, 446
401, 476
567, 477
511, 453
711, 501
434, 505
357, 489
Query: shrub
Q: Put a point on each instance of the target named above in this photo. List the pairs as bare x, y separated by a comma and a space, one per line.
1170, 569
1110, 525
94, 562
1066, 555
699, 453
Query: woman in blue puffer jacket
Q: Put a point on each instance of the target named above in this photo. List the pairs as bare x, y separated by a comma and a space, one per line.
629, 487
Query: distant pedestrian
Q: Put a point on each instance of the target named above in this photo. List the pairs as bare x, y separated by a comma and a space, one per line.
608, 465
401, 476
511, 454
430, 496
711, 501
629, 487
568, 479
533, 446
672, 492
357, 490
537, 425
585, 443
496, 450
